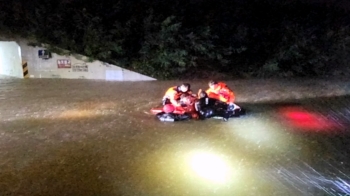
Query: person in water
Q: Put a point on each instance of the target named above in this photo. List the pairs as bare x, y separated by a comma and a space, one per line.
209, 107
173, 94
221, 92
185, 111
169, 114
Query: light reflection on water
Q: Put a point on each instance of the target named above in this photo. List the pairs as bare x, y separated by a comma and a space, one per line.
174, 164
86, 138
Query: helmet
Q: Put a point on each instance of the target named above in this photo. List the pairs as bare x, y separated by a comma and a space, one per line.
168, 108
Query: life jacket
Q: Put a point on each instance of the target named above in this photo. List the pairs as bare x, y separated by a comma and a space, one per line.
173, 93
222, 93
177, 110
188, 108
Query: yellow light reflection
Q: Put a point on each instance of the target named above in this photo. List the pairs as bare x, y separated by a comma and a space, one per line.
262, 133
88, 110
210, 166
76, 114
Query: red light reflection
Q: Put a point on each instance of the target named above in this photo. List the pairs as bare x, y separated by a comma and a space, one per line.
302, 119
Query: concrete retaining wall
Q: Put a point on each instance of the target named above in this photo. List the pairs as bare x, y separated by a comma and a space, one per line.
72, 67
10, 59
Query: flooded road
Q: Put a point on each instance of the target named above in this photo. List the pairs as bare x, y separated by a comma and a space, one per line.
78, 137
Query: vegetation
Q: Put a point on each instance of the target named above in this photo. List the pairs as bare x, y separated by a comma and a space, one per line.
175, 39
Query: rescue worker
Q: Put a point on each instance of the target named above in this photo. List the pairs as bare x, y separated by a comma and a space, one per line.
173, 94
209, 107
187, 103
221, 92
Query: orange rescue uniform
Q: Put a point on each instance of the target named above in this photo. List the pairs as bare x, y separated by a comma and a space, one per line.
174, 95
222, 93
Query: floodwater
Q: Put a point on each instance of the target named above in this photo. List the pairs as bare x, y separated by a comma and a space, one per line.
78, 137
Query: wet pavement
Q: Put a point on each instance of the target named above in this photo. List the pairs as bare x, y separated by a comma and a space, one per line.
78, 137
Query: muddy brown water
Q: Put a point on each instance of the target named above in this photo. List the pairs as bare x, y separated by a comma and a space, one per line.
79, 137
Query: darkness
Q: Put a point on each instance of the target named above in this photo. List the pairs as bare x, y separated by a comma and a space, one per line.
193, 38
